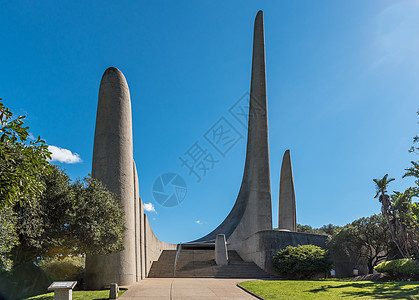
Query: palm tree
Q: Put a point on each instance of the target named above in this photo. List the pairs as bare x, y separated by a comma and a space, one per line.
387, 210
381, 186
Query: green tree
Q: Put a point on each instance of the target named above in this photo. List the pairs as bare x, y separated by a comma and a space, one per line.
21, 163
41, 213
401, 212
387, 210
305, 228
8, 237
364, 239
68, 219
328, 229
97, 219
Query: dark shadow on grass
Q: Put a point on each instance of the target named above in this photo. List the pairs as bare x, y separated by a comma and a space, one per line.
376, 290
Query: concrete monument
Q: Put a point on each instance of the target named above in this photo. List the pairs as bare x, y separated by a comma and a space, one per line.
247, 229
114, 166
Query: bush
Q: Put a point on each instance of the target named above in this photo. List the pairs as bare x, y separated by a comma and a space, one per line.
302, 262
68, 268
400, 268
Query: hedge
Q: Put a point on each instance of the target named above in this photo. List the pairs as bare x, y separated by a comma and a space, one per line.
401, 268
301, 262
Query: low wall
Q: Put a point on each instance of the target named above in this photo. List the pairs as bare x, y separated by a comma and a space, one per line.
153, 246
344, 264
263, 245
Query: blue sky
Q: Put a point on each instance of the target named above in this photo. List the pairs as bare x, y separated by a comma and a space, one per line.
342, 79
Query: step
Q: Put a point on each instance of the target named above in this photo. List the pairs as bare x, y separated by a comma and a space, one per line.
198, 262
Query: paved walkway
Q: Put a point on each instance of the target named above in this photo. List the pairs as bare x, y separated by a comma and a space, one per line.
186, 289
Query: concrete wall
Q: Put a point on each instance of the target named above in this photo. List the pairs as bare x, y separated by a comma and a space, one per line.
139, 228
344, 264
263, 245
153, 246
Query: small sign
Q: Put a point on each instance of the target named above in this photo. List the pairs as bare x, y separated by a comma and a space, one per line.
69, 285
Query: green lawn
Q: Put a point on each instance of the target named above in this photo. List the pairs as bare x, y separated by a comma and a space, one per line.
79, 295
332, 289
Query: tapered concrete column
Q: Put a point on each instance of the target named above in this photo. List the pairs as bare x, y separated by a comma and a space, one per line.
256, 179
113, 166
252, 211
287, 208
221, 254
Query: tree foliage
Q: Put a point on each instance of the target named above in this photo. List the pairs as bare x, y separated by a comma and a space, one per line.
21, 163
42, 214
68, 219
67, 268
8, 236
401, 213
97, 219
328, 229
364, 239
400, 268
400, 210
302, 262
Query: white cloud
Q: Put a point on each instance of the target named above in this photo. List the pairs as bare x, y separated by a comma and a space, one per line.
31, 136
149, 207
198, 222
63, 155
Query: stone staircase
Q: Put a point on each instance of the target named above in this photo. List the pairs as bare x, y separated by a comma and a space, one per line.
198, 262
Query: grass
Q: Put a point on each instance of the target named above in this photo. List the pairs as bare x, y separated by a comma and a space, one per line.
79, 295
332, 289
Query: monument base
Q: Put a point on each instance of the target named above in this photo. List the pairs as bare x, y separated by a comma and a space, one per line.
263, 245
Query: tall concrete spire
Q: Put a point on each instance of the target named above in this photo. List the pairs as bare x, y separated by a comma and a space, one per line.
287, 210
252, 211
113, 166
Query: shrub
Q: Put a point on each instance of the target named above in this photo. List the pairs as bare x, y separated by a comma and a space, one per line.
301, 262
68, 268
400, 268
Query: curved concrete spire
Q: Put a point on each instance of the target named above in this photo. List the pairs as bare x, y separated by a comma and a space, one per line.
113, 166
287, 210
252, 211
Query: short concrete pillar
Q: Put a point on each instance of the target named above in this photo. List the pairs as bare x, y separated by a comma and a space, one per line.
221, 254
63, 290
113, 292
